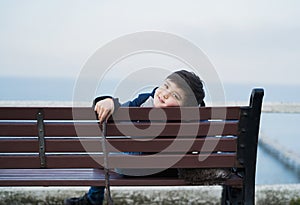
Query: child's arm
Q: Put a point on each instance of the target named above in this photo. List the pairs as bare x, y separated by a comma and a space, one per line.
105, 106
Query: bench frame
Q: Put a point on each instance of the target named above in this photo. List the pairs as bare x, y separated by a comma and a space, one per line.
19, 166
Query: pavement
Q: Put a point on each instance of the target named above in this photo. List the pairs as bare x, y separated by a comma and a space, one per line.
206, 195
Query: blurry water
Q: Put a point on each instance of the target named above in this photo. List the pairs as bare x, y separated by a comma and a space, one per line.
271, 171
283, 129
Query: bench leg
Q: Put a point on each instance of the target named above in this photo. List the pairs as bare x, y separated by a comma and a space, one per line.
231, 196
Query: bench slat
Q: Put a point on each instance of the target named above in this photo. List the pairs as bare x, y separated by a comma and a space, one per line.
156, 145
18, 113
24, 161
182, 113
136, 129
85, 177
18, 145
50, 113
163, 161
221, 128
121, 161
63, 161
87, 113
18, 129
53, 144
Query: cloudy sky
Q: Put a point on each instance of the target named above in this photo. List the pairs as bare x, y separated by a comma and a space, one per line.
249, 41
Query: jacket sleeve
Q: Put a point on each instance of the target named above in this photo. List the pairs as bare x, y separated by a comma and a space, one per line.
137, 102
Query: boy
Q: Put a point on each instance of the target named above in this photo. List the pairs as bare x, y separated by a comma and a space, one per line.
181, 88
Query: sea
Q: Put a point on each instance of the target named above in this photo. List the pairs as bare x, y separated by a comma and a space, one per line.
280, 127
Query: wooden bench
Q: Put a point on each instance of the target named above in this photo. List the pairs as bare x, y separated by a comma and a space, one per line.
62, 146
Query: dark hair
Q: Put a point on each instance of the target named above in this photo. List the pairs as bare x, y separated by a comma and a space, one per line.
191, 84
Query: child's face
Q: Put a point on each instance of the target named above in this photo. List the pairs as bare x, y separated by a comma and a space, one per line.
168, 95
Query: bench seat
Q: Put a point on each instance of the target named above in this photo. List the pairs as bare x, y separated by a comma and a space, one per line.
88, 177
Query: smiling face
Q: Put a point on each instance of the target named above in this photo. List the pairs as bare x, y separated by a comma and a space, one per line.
169, 95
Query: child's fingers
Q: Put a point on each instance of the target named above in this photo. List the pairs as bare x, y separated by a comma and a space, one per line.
103, 115
108, 116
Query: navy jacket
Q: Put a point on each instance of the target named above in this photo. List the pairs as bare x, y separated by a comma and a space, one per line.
137, 102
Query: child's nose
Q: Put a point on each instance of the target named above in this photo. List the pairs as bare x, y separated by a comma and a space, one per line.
166, 94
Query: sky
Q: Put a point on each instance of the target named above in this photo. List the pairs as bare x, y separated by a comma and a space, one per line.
249, 41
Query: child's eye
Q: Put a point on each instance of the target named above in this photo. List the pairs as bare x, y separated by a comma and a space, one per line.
166, 86
175, 96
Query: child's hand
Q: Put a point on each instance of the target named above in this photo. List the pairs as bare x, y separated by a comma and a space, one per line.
104, 109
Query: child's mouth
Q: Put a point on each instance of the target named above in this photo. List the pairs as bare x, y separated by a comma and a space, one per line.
161, 100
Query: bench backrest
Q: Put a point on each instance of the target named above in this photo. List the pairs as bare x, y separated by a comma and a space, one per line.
68, 137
